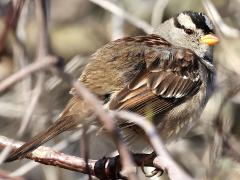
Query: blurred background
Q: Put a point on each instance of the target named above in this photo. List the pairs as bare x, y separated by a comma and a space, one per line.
77, 28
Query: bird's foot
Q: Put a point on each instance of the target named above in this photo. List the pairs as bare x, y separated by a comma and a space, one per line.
155, 171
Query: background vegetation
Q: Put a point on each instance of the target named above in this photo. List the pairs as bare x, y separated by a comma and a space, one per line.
77, 28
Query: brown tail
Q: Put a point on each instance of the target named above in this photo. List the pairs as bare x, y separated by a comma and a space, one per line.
57, 128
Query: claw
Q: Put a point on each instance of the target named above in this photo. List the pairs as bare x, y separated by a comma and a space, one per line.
155, 171
161, 172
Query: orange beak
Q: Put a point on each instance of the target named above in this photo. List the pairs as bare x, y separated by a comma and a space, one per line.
209, 39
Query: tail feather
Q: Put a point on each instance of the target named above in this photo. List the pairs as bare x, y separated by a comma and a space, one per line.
57, 128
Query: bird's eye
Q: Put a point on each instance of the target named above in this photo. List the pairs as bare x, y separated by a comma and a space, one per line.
188, 31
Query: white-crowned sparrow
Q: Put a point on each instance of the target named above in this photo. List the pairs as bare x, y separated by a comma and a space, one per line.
166, 76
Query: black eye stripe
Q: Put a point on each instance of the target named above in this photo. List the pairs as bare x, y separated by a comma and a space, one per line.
198, 19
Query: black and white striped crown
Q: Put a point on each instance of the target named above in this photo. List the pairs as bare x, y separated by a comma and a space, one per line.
198, 19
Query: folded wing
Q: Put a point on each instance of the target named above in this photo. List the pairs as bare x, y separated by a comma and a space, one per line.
169, 77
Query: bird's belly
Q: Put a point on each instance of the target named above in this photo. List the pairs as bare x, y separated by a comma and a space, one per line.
178, 121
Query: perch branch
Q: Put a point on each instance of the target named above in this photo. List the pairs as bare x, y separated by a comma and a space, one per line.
105, 167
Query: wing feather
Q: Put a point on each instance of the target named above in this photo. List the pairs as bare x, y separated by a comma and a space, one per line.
165, 82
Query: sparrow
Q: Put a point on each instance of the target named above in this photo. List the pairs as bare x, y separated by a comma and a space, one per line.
166, 76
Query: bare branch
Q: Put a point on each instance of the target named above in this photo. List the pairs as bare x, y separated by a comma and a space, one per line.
32, 68
117, 24
43, 44
230, 53
105, 167
45, 155
225, 29
120, 12
30, 109
43, 37
76, 63
158, 11
11, 19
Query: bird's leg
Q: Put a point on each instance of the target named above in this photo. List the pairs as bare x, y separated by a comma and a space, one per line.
108, 168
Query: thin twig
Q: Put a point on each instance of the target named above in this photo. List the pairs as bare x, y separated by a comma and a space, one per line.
20, 53
233, 57
11, 19
43, 36
158, 11
225, 29
31, 68
76, 63
120, 12
42, 52
30, 109
222, 127
117, 23
21, 60
84, 149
